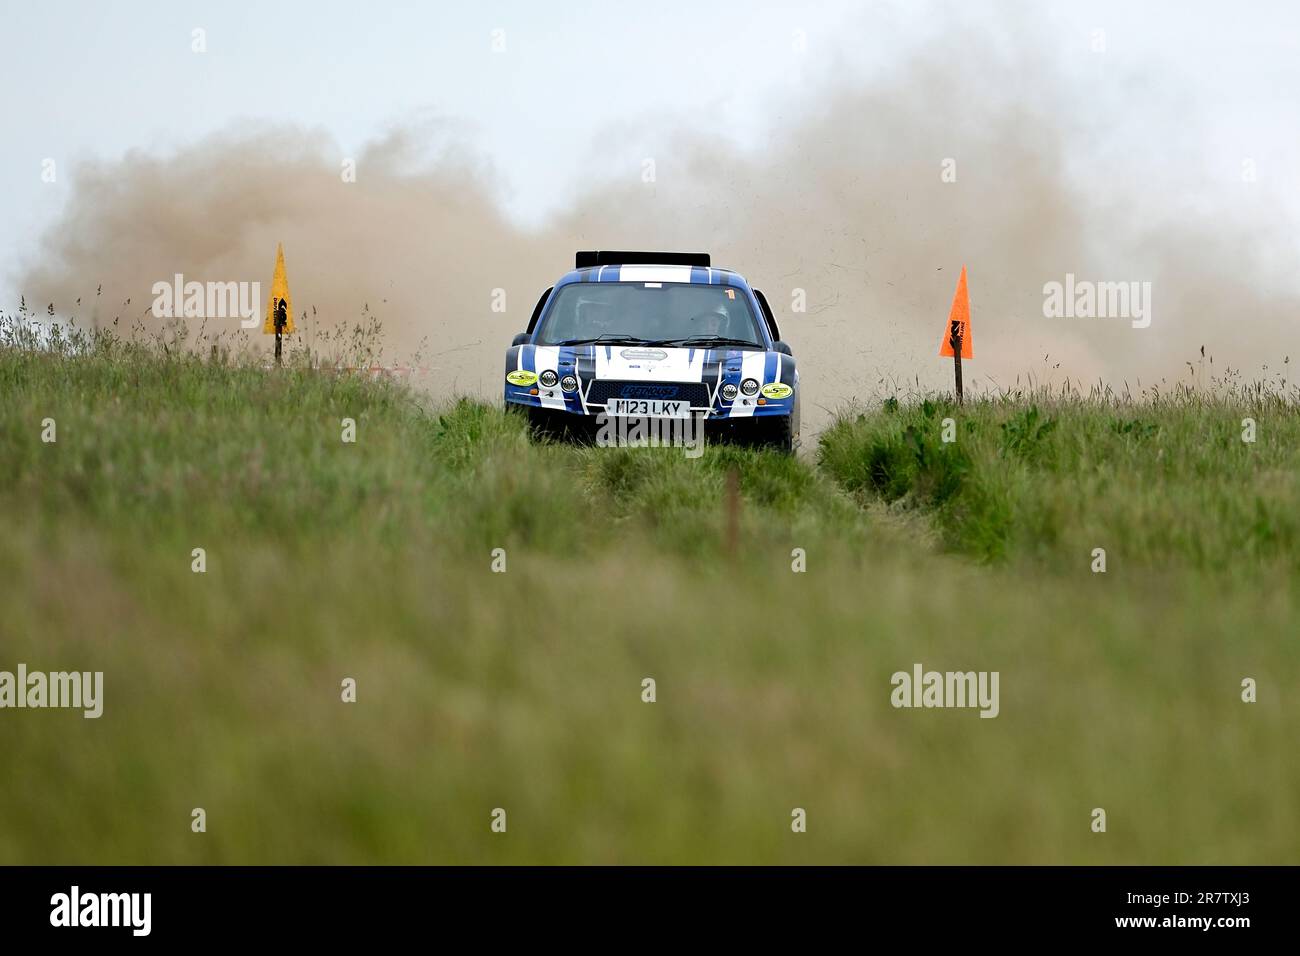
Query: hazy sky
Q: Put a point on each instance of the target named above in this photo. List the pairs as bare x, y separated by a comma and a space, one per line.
89, 79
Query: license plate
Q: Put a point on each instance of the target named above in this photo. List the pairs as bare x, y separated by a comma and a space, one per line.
645, 408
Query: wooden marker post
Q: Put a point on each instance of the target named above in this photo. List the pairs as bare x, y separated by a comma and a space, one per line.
733, 511
957, 334
280, 323
954, 341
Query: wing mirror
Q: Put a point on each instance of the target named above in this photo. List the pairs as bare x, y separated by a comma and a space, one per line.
522, 338
782, 348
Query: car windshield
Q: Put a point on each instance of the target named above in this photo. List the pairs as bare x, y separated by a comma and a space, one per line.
667, 313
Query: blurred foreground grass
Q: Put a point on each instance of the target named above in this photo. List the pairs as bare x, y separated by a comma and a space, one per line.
522, 690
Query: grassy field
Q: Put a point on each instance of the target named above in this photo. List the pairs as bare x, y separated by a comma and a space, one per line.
522, 690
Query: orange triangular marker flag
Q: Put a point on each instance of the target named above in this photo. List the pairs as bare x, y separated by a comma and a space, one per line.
280, 300
960, 317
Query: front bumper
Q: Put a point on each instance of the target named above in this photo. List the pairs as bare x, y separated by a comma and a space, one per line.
702, 378
710, 404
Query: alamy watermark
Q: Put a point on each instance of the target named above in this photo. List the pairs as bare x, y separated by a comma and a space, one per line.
179, 299
130, 910
1084, 299
631, 431
922, 688
77, 690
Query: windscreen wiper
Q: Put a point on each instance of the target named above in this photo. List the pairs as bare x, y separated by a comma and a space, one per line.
709, 340
612, 338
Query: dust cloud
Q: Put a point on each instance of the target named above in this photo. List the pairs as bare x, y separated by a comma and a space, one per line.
847, 206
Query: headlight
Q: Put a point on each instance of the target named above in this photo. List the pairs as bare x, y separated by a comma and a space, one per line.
777, 390
569, 383
729, 391
521, 377
749, 386
549, 379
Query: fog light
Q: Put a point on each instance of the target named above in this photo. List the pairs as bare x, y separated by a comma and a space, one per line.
749, 386
549, 378
729, 391
569, 383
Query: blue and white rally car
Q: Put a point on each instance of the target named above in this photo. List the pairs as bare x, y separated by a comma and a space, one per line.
655, 335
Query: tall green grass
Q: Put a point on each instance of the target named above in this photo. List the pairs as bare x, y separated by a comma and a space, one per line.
1161, 484
522, 690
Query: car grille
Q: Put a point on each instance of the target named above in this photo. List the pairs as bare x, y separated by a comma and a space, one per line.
602, 390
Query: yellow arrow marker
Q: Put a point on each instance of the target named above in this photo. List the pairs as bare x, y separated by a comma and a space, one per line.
280, 304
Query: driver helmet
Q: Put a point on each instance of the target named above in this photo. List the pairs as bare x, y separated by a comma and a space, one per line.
714, 322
